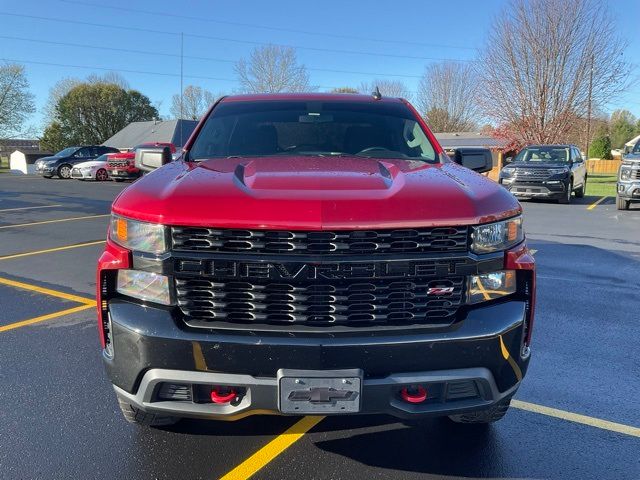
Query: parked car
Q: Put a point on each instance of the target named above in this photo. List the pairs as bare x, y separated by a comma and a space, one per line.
122, 166
628, 185
62, 162
92, 170
546, 171
315, 254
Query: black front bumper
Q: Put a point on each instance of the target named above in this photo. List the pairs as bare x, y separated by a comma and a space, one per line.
554, 189
150, 346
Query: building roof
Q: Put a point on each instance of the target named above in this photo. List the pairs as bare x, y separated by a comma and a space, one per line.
169, 131
469, 139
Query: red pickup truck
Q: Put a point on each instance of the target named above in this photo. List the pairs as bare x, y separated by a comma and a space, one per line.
315, 254
121, 166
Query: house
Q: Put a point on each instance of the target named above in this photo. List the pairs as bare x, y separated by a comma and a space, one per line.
168, 131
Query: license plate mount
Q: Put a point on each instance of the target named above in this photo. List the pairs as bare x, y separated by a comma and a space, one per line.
319, 392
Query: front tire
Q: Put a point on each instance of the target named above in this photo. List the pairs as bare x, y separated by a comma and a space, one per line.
64, 171
622, 204
139, 417
581, 191
567, 195
489, 415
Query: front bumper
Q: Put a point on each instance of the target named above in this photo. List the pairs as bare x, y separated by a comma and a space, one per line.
46, 171
483, 351
82, 174
544, 189
123, 174
629, 190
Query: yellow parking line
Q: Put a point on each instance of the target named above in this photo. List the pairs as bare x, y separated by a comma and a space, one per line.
29, 208
42, 318
53, 221
577, 418
595, 204
47, 291
49, 250
272, 449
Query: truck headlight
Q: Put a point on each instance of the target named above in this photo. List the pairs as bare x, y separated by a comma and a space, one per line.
507, 171
148, 286
497, 236
558, 171
138, 236
625, 173
489, 286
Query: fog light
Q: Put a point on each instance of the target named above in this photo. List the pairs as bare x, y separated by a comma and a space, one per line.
144, 286
489, 286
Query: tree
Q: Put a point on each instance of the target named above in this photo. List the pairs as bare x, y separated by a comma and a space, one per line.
447, 97
546, 62
195, 102
622, 125
91, 113
16, 102
344, 90
388, 88
272, 69
601, 145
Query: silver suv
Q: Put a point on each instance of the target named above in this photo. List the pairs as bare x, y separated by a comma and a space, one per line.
628, 185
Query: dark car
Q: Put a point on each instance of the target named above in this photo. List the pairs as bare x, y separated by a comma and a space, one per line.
628, 185
62, 162
315, 254
546, 171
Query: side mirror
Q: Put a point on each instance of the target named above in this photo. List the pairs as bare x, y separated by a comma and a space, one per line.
148, 159
508, 160
477, 159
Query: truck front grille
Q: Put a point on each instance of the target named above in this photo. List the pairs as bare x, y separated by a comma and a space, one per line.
215, 293
419, 240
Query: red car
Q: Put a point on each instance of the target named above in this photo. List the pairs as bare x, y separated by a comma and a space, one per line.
121, 166
315, 254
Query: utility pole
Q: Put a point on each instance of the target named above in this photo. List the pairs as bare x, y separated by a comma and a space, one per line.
181, 85
589, 107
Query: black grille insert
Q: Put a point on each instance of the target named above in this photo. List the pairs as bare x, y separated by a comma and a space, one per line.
419, 240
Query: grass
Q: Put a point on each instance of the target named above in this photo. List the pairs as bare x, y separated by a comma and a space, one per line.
599, 185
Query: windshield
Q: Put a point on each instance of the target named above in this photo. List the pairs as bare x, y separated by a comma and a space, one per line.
636, 148
544, 155
66, 152
284, 128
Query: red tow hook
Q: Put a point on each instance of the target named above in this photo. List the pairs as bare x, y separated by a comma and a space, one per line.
413, 394
222, 395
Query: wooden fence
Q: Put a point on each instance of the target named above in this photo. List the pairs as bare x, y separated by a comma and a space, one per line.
598, 166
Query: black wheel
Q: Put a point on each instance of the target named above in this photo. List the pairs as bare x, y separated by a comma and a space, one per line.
567, 195
580, 192
622, 204
102, 175
144, 419
489, 415
64, 171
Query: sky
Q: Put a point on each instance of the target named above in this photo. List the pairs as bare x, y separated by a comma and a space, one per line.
333, 39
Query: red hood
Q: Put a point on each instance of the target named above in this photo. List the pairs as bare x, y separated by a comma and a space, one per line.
315, 193
122, 156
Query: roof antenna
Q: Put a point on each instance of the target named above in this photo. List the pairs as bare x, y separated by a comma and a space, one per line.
376, 94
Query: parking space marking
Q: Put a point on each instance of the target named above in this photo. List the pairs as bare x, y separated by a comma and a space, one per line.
577, 418
47, 291
29, 208
49, 250
271, 450
595, 204
42, 318
54, 221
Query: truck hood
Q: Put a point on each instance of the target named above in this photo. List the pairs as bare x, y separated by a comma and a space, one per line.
315, 193
538, 165
122, 156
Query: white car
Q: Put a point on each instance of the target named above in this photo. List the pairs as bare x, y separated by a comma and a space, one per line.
92, 170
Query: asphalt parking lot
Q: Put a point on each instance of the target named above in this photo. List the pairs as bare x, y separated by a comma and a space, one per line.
577, 414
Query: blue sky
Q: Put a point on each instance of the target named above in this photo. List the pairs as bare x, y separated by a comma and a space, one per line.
395, 30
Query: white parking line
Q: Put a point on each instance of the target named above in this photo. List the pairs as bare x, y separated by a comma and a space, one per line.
29, 208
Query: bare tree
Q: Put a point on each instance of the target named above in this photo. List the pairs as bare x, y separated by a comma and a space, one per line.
272, 69
547, 64
16, 102
388, 88
447, 97
195, 102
